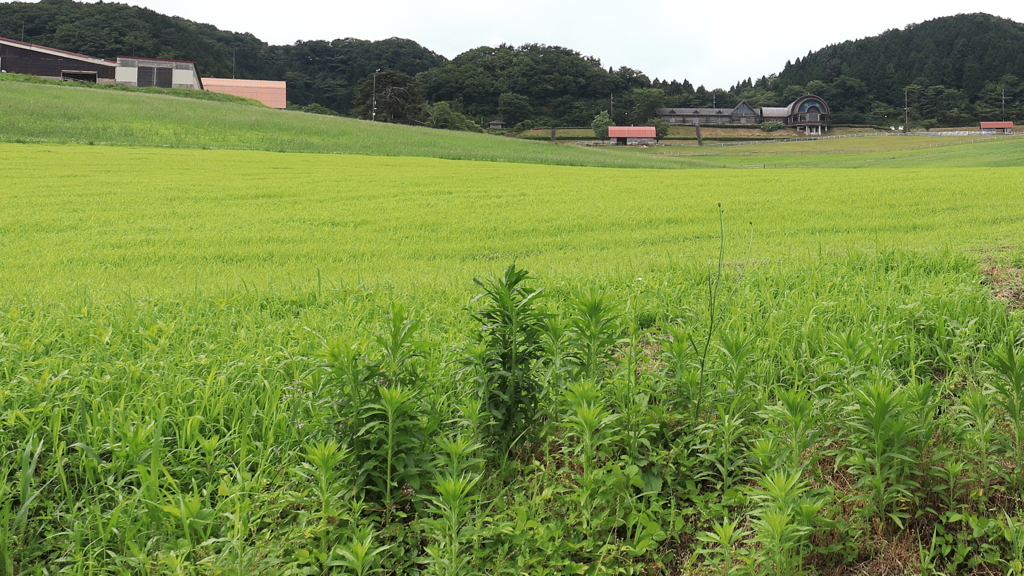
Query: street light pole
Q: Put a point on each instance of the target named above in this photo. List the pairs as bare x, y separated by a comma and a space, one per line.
373, 114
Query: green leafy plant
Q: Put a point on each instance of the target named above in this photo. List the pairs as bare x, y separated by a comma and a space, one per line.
725, 536
783, 520
359, 555
882, 451
450, 527
592, 324
794, 421
980, 432
393, 440
1008, 394
511, 326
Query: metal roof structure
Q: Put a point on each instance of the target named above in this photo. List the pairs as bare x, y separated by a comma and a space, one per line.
632, 132
996, 125
775, 112
272, 93
694, 111
155, 59
56, 52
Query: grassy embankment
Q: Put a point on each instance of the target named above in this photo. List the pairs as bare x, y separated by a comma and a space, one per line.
46, 113
66, 113
245, 362
8, 79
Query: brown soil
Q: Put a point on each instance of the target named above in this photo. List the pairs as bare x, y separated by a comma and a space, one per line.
1006, 281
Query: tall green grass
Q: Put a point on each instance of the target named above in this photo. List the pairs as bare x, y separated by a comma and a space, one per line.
333, 432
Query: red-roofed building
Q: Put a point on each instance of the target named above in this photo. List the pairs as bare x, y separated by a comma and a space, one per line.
625, 135
994, 127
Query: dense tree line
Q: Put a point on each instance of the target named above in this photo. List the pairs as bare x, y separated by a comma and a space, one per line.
952, 70
948, 71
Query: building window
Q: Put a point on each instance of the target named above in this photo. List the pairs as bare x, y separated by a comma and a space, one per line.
147, 76
164, 77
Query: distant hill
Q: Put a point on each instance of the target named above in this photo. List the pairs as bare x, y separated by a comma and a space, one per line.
322, 72
955, 70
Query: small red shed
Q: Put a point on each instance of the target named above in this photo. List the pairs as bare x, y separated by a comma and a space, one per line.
995, 127
624, 135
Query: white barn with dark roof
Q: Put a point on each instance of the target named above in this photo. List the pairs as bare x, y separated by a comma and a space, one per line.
741, 114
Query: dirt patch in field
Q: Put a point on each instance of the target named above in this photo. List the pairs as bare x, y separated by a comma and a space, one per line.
1006, 282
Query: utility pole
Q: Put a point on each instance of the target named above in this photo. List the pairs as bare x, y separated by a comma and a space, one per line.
373, 114
612, 106
1002, 115
232, 64
906, 112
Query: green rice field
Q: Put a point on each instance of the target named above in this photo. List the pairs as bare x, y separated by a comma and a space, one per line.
162, 221
401, 362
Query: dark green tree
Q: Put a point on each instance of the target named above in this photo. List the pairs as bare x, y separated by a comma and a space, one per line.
397, 95
600, 125
645, 102
514, 108
443, 116
660, 127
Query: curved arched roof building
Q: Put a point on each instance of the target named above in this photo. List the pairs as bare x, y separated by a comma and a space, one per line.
809, 114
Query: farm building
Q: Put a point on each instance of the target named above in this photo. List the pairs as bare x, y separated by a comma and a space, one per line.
272, 93
24, 58
997, 127
625, 135
144, 72
741, 114
497, 124
809, 114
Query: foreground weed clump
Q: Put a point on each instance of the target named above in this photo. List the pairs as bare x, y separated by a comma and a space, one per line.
851, 414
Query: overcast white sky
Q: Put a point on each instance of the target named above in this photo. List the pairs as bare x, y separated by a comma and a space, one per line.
709, 43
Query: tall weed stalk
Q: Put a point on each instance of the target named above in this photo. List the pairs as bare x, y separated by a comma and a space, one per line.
1008, 388
511, 325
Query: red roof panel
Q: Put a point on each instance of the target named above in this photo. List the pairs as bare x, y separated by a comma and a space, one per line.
632, 132
986, 125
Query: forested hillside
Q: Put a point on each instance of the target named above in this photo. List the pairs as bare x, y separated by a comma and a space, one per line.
954, 71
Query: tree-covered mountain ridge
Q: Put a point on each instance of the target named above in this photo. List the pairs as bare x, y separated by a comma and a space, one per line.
952, 70
948, 69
